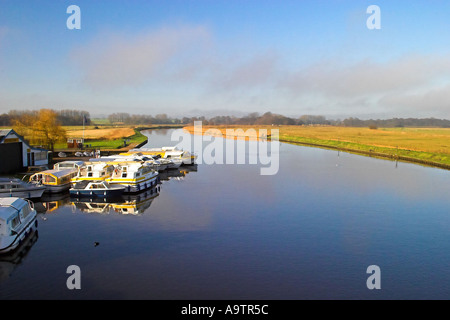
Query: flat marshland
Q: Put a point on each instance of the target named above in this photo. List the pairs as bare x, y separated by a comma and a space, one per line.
429, 146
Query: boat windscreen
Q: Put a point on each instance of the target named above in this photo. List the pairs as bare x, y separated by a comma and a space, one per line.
81, 184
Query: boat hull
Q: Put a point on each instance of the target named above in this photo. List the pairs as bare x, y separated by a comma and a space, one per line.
10, 243
57, 188
111, 193
33, 193
138, 186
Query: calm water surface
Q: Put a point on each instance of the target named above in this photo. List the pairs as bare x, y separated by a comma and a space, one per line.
227, 232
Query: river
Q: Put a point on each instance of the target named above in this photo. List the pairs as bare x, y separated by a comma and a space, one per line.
224, 231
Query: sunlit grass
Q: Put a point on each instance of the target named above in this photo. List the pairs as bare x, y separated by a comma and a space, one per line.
425, 145
103, 143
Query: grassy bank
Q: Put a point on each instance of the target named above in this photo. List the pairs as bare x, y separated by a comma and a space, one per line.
108, 137
429, 146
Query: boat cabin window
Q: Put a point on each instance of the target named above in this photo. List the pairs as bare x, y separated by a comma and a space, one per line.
15, 222
2, 186
48, 178
124, 175
25, 211
90, 174
89, 168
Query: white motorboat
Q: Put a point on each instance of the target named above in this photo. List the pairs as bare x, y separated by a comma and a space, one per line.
17, 221
165, 153
93, 171
135, 176
13, 187
156, 164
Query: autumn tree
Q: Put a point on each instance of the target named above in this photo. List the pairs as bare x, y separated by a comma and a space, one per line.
42, 129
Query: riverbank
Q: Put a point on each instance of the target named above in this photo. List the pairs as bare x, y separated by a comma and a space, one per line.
426, 146
109, 138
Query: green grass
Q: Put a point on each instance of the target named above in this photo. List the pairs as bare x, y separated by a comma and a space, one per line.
436, 159
100, 122
429, 146
102, 144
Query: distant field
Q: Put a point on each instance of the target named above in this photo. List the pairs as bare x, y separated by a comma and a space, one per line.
104, 138
107, 134
426, 145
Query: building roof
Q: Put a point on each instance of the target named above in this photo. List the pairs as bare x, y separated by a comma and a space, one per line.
4, 133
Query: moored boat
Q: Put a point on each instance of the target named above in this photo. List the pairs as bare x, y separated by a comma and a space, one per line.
94, 189
93, 171
135, 176
17, 221
68, 164
54, 180
13, 187
156, 164
166, 153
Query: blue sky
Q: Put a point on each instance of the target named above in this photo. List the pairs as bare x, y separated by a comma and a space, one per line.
225, 57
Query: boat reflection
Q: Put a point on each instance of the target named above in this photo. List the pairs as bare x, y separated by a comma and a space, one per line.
134, 204
10, 261
177, 174
51, 202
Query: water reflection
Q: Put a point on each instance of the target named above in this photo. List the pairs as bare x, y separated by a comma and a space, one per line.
179, 174
10, 261
135, 204
125, 204
51, 202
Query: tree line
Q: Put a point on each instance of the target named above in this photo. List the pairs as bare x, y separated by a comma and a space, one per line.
270, 118
77, 117
254, 118
64, 117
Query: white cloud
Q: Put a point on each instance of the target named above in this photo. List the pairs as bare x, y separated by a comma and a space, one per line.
434, 102
366, 77
121, 60
256, 71
186, 61
411, 85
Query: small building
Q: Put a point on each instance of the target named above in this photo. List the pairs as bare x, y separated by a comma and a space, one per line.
75, 143
17, 154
